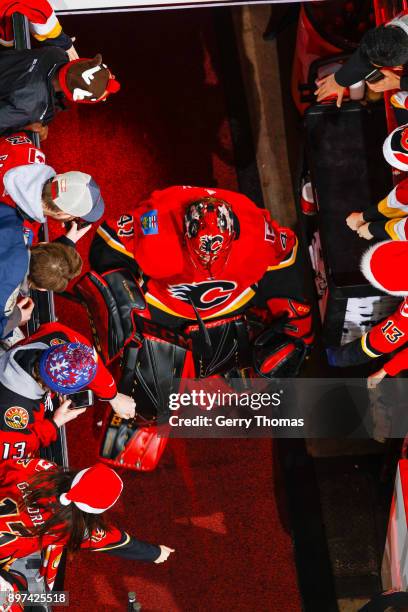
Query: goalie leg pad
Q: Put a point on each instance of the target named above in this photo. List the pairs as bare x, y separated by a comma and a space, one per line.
110, 299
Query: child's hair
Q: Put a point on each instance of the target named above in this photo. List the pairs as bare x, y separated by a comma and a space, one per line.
43, 493
53, 265
50, 205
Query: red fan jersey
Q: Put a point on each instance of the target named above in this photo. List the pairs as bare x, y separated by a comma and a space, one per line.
42, 20
16, 150
17, 522
24, 426
388, 336
388, 219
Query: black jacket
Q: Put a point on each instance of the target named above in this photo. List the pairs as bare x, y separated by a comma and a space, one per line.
26, 91
357, 68
385, 601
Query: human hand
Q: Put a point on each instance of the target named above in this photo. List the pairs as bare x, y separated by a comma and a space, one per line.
364, 232
355, 220
124, 406
391, 80
376, 378
76, 234
26, 307
72, 52
328, 86
164, 554
64, 414
38, 128
43, 133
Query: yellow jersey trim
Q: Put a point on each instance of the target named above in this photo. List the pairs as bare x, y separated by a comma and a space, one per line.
113, 546
54, 33
114, 244
389, 228
365, 348
288, 261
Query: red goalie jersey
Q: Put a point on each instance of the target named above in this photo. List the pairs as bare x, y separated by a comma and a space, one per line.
261, 269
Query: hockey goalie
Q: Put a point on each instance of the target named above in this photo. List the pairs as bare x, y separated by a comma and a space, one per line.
193, 283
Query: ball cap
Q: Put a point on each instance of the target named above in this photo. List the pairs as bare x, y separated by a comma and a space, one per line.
384, 265
94, 489
395, 148
68, 368
77, 194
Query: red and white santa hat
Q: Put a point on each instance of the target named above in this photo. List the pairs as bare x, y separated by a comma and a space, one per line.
395, 148
385, 265
94, 489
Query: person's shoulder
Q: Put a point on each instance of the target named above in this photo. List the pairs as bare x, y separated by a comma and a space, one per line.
35, 465
47, 51
40, 465
12, 244
37, 61
12, 470
52, 52
17, 56
9, 216
45, 59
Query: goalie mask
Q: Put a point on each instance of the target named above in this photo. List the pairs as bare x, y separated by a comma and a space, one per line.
209, 233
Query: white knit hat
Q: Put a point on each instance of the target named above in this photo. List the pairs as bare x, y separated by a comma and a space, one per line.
385, 265
395, 148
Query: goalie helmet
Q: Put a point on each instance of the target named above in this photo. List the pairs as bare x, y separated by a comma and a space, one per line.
209, 233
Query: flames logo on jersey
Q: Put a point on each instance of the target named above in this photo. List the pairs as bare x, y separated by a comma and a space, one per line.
57, 341
210, 245
97, 535
204, 295
16, 417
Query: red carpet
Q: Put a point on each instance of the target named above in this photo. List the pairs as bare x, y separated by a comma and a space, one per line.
214, 501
